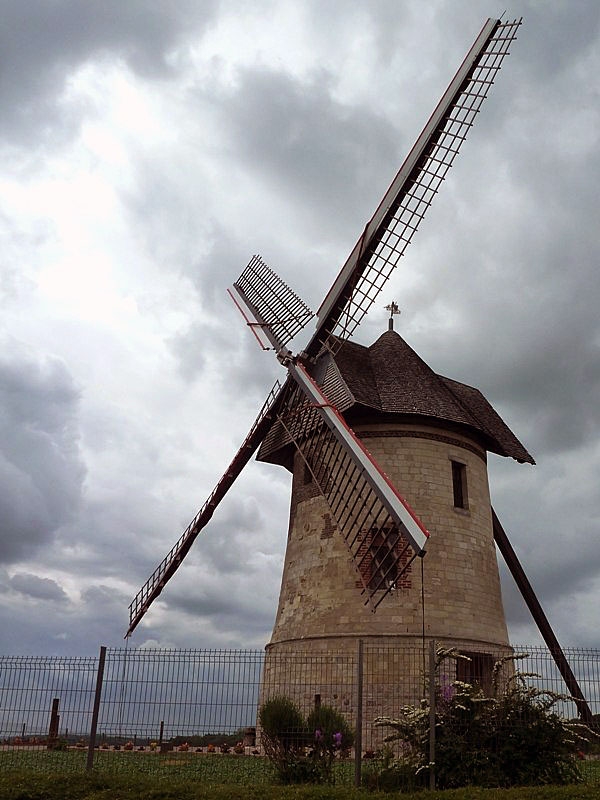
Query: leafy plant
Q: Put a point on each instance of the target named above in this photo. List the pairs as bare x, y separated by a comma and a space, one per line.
513, 737
303, 751
332, 736
283, 738
334, 733
282, 724
385, 773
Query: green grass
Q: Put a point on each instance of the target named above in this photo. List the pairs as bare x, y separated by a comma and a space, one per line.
26, 785
208, 768
204, 768
47, 775
590, 771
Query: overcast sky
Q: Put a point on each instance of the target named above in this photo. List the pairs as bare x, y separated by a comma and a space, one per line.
148, 149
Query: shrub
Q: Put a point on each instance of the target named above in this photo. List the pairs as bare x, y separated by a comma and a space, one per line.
303, 751
513, 737
330, 730
282, 724
332, 736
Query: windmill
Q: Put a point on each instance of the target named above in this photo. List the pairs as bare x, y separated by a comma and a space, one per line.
354, 541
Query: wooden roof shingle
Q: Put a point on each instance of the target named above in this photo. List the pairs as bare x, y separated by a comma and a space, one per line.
391, 379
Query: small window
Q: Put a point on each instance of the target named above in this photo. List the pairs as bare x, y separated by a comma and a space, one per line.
477, 671
459, 484
383, 565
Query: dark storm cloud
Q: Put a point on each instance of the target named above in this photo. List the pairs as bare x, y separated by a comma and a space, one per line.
229, 580
516, 232
42, 43
71, 628
550, 515
41, 471
505, 290
321, 154
225, 608
563, 30
38, 588
231, 350
555, 555
221, 602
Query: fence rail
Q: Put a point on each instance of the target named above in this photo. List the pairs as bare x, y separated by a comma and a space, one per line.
197, 710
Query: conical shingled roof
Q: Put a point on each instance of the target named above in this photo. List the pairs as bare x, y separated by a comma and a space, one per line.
390, 378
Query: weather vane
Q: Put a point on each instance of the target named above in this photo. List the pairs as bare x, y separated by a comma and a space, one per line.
393, 309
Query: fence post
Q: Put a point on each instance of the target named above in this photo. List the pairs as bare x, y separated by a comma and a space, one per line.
432, 715
54, 723
96, 710
359, 715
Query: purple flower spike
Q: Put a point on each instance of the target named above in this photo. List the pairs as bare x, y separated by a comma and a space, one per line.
448, 692
318, 734
337, 738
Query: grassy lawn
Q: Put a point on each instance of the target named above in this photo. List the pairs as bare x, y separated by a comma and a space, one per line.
590, 770
47, 775
207, 768
20, 785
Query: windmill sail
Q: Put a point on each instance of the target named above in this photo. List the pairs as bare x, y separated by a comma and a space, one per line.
171, 562
381, 531
378, 526
394, 223
282, 313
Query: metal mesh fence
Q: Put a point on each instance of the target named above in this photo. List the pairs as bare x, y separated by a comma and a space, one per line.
196, 712
45, 702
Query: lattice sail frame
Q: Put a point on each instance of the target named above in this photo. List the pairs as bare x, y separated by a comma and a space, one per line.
283, 314
377, 525
171, 562
392, 227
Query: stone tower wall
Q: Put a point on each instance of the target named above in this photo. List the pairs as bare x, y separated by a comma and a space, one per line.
322, 615
320, 591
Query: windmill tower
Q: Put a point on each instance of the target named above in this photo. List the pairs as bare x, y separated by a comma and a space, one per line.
388, 458
430, 435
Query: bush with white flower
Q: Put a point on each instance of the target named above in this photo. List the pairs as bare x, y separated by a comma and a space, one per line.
513, 737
